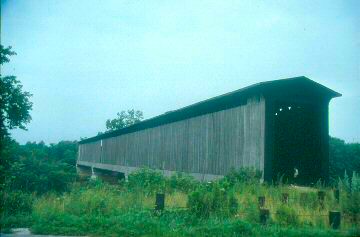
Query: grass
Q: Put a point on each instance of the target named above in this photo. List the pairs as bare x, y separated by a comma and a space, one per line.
127, 209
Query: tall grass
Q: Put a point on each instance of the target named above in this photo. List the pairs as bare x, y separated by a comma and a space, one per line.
227, 207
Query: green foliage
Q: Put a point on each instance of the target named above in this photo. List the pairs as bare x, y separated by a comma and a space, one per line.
228, 227
5, 53
124, 119
350, 198
17, 202
39, 168
351, 205
355, 182
102, 210
23, 220
182, 182
95, 209
33, 168
344, 183
212, 199
147, 180
308, 199
244, 175
286, 215
343, 157
64, 152
15, 105
17, 209
351, 201
15, 109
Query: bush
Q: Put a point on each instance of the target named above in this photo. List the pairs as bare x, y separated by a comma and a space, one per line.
355, 182
286, 215
343, 157
351, 205
345, 183
36, 167
16, 202
212, 199
16, 208
351, 201
147, 180
15, 221
308, 200
244, 175
182, 182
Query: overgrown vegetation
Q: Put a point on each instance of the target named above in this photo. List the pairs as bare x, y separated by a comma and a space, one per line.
202, 209
343, 157
34, 169
38, 168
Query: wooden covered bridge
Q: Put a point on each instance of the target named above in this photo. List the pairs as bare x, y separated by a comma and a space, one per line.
275, 126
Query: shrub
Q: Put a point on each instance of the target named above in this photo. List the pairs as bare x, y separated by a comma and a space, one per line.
308, 200
17, 202
183, 182
351, 201
147, 180
243, 175
355, 182
344, 184
351, 205
36, 167
15, 221
16, 208
212, 199
286, 215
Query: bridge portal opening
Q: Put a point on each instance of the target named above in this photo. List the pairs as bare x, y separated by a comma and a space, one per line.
297, 142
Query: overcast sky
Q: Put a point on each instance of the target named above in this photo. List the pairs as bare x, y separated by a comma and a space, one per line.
84, 61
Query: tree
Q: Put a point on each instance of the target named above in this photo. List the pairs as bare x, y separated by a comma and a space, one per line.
5, 53
124, 119
343, 157
15, 109
40, 168
15, 105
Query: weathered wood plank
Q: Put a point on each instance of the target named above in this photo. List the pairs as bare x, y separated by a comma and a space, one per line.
208, 144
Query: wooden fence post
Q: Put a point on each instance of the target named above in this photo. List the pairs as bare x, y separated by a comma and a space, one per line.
285, 198
264, 215
334, 219
160, 202
261, 201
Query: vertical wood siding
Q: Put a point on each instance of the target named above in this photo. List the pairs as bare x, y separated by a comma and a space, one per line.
209, 144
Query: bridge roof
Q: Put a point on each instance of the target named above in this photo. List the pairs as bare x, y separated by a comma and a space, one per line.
301, 86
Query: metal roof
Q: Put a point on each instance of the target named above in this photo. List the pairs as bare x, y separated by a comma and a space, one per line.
225, 101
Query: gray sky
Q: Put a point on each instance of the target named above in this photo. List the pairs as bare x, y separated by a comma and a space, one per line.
83, 61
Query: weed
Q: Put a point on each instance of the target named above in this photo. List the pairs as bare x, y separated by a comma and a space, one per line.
286, 215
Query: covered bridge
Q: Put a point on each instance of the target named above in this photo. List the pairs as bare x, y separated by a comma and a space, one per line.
274, 126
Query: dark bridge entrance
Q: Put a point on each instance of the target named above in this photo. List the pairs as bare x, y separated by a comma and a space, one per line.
297, 131
297, 142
